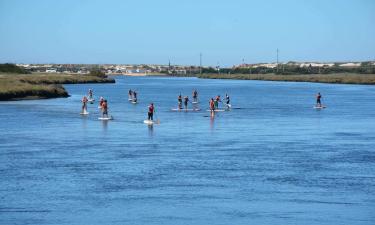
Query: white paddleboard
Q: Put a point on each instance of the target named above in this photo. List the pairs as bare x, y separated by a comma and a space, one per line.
149, 122
320, 107
134, 102
130, 99
105, 118
216, 110
195, 102
84, 113
186, 110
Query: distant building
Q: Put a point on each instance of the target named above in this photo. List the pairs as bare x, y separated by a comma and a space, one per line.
350, 65
51, 70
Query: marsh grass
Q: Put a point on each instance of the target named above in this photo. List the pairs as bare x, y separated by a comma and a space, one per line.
32, 86
341, 78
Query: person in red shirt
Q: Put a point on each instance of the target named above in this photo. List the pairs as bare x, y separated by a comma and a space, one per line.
105, 109
151, 111
212, 106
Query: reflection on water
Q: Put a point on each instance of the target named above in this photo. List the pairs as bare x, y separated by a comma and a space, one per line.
105, 124
150, 130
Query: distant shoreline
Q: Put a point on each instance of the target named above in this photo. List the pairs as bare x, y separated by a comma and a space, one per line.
15, 87
338, 78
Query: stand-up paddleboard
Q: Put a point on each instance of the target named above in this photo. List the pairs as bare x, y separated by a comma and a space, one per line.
195, 102
130, 99
151, 122
84, 113
320, 107
182, 110
106, 118
217, 110
135, 102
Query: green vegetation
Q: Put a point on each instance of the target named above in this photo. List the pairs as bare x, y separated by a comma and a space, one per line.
294, 69
342, 78
11, 68
98, 73
33, 86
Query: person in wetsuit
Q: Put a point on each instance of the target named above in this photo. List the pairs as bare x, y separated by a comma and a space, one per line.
186, 100
179, 99
195, 96
130, 94
134, 96
318, 99
227, 99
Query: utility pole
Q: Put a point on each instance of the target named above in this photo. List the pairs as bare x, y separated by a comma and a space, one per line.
200, 64
277, 60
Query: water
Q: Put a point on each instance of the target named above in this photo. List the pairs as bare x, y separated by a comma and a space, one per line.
273, 160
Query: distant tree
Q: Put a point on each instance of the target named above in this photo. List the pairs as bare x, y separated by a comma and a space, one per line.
11, 68
97, 72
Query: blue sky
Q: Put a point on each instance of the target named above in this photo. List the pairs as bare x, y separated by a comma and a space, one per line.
155, 31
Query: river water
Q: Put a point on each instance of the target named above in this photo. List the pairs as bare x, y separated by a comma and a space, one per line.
272, 159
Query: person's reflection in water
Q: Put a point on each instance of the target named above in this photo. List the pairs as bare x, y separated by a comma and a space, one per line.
105, 125
84, 123
212, 120
150, 130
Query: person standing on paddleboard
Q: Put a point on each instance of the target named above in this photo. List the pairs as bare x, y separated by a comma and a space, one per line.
179, 99
195, 96
134, 96
151, 110
84, 104
318, 99
130, 94
101, 101
212, 106
105, 109
217, 100
227, 99
90, 94
186, 100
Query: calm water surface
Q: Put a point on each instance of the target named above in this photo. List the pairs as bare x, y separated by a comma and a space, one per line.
271, 160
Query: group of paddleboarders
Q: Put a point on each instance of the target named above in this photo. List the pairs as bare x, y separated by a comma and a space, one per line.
132, 95
213, 103
186, 100
103, 105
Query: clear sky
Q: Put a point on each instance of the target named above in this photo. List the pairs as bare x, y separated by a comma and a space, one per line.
155, 31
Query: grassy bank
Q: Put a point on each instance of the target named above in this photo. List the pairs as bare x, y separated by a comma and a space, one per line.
36, 86
341, 78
